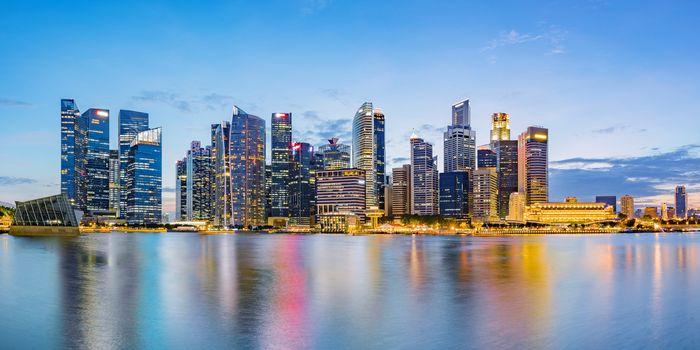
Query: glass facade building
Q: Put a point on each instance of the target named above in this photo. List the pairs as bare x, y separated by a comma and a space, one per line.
507, 171
364, 155
281, 138
96, 124
533, 172
301, 188
114, 185
401, 191
424, 179
144, 175
335, 155
70, 116
454, 195
247, 166
130, 124
221, 187
181, 189
486, 158
485, 194
199, 186
681, 202
44, 216
341, 191
380, 156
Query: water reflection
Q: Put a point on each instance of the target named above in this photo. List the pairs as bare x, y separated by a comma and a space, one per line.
274, 291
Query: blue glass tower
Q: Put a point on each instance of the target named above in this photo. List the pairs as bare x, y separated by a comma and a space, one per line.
130, 124
281, 156
70, 116
95, 130
144, 178
301, 189
380, 162
247, 166
454, 194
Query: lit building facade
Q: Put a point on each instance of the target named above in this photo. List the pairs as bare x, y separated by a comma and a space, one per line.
485, 194
144, 174
199, 182
507, 172
516, 206
424, 179
48, 216
335, 155
533, 172
460, 140
500, 127
247, 165
681, 202
281, 139
364, 150
220, 182
569, 212
70, 117
486, 158
609, 200
181, 189
380, 156
341, 191
114, 185
301, 189
130, 124
651, 212
454, 195
401, 191
96, 124
627, 206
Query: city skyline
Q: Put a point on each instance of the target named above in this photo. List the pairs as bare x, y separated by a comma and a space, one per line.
598, 149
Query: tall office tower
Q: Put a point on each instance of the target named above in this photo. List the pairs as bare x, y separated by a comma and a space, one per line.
401, 191
268, 186
681, 202
485, 192
424, 178
500, 127
627, 206
281, 155
533, 172
364, 154
507, 170
380, 155
114, 181
664, 211
70, 118
486, 157
95, 123
181, 189
301, 187
611, 201
220, 182
388, 199
516, 206
454, 194
144, 179
335, 155
460, 140
130, 124
199, 189
340, 191
247, 164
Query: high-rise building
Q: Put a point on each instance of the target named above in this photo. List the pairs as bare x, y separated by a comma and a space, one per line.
281, 157
301, 185
335, 155
486, 157
388, 199
114, 181
199, 187
627, 206
424, 181
144, 174
70, 118
516, 206
130, 124
95, 123
401, 190
181, 189
339, 191
460, 140
609, 200
364, 149
485, 194
461, 113
681, 202
507, 172
380, 155
651, 212
454, 194
533, 172
664, 211
247, 165
500, 127
221, 186
268, 188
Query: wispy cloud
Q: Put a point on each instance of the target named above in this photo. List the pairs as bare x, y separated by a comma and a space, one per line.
400, 160
610, 129
215, 101
309, 7
511, 37
11, 180
4, 101
323, 129
166, 97
553, 37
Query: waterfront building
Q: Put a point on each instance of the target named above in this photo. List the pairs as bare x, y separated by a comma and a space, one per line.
46, 216
341, 191
401, 191
144, 174
181, 190
301, 189
627, 206
485, 194
247, 166
609, 200
220, 182
507, 171
486, 157
268, 187
70, 116
199, 186
380, 156
424, 178
130, 124
500, 127
460, 140
114, 185
454, 194
664, 212
364, 150
533, 172
516, 206
281, 127
95, 124
681, 202
569, 212
651, 212
335, 155
670, 213
338, 222
388, 199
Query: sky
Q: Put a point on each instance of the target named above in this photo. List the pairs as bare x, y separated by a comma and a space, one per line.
615, 82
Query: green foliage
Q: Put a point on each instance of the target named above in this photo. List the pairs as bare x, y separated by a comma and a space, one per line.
6, 211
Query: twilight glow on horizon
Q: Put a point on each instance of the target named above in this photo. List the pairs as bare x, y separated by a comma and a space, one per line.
616, 83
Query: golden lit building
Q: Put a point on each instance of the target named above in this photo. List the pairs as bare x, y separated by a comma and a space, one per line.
500, 127
627, 206
569, 212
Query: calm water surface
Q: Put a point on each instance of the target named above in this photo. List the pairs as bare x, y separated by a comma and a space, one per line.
189, 291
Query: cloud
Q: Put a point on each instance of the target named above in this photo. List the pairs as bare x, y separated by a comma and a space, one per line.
400, 160
553, 37
169, 98
11, 180
215, 101
167, 189
309, 7
511, 38
610, 129
316, 130
4, 101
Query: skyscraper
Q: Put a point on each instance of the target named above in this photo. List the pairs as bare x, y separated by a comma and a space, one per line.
114, 185
281, 156
301, 187
486, 157
130, 124
144, 179
424, 179
247, 165
507, 172
364, 151
454, 194
70, 116
401, 191
335, 155
485, 194
199, 176
181, 189
627, 206
95, 123
500, 127
681, 202
340, 191
221, 189
380, 155
460, 140
533, 172
611, 201
516, 206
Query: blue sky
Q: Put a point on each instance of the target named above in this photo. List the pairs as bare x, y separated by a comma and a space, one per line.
615, 82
